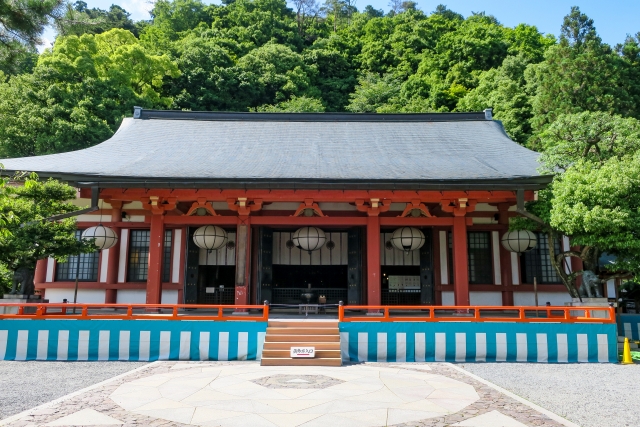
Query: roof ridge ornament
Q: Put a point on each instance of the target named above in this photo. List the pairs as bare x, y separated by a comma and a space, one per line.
137, 111
488, 113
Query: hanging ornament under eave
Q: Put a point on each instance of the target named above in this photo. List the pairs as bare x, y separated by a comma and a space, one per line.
407, 239
105, 237
519, 241
210, 237
309, 238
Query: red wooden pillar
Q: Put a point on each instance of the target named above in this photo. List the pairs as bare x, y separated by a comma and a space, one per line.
373, 261
154, 275
460, 261
40, 275
111, 295
243, 260
505, 257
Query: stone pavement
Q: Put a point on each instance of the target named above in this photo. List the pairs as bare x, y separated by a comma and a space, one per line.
230, 394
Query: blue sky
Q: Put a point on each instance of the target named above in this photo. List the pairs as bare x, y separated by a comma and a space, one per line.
614, 19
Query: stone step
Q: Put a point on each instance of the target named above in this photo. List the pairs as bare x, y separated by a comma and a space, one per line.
302, 324
301, 338
287, 345
282, 361
285, 354
301, 331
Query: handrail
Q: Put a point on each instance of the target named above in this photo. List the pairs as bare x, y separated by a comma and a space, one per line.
66, 311
525, 314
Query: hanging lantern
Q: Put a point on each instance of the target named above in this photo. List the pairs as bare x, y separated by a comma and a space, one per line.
105, 237
210, 237
407, 239
309, 238
519, 241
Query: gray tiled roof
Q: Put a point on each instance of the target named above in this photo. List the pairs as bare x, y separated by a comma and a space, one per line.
273, 150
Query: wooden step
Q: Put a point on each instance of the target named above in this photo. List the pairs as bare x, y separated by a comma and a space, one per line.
302, 331
285, 353
287, 345
301, 338
286, 361
294, 324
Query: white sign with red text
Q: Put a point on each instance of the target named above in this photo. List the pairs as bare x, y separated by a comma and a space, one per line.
303, 352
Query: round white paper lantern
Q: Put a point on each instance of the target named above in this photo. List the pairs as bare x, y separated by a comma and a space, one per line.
105, 237
210, 237
309, 238
407, 239
519, 241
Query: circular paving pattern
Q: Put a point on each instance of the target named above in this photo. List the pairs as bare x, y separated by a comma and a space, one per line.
359, 396
281, 381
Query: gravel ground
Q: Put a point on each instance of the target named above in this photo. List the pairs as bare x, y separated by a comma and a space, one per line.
24, 385
590, 395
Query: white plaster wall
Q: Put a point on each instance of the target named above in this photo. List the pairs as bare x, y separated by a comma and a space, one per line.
169, 296
447, 298
131, 296
85, 296
93, 218
528, 298
485, 298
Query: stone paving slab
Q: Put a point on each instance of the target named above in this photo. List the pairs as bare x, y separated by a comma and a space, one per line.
231, 394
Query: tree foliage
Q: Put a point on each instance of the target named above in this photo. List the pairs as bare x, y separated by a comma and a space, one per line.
25, 236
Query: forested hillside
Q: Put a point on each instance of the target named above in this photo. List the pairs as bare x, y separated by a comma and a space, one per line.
260, 55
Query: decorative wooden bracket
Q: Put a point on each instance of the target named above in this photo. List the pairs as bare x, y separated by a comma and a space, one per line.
243, 206
308, 204
459, 207
373, 207
416, 205
159, 205
201, 203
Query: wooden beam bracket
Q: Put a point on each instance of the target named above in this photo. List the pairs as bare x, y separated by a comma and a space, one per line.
415, 205
201, 203
308, 204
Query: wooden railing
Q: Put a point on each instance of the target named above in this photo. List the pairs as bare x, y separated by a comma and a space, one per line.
254, 313
421, 313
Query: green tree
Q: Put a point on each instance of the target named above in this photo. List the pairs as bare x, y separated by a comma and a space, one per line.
594, 197
79, 19
26, 236
79, 92
373, 93
504, 90
22, 22
302, 104
579, 74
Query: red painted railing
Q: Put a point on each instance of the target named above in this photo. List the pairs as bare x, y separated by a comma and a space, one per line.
421, 313
254, 313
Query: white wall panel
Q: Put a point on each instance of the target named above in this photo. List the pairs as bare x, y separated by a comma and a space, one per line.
131, 296
85, 296
169, 296
448, 298
495, 246
51, 263
485, 298
528, 298
122, 262
515, 269
444, 266
175, 256
104, 265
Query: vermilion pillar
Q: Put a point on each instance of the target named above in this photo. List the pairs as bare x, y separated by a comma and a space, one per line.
373, 261
460, 261
243, 260
41, 271
505, 257
111, 295
154, 275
